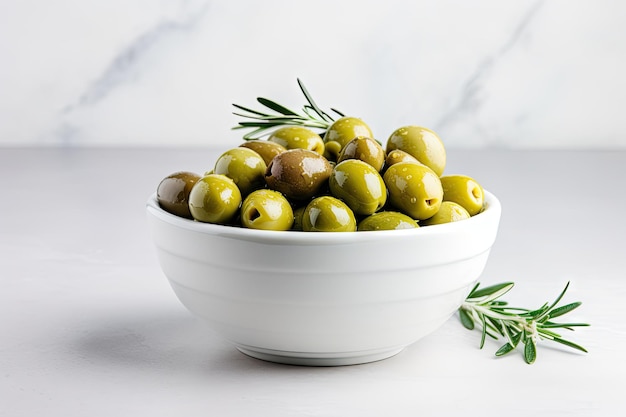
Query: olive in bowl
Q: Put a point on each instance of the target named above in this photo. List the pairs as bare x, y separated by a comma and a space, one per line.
322, 299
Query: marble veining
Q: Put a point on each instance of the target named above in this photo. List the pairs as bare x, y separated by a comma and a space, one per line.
123, 67
469, 99
528, 74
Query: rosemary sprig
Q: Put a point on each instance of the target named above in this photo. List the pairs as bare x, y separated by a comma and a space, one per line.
262, 123
496, 319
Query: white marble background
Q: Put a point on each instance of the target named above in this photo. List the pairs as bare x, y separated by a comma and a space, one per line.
519, 74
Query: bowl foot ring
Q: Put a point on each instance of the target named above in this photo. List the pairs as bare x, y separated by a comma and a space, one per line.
316, 359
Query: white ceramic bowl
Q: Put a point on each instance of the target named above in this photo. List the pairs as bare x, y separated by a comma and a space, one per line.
323, 298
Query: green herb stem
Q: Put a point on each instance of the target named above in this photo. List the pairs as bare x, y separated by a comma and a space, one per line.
496, 319
261, 122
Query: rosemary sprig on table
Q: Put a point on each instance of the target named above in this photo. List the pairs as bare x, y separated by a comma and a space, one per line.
262, 122
517, 325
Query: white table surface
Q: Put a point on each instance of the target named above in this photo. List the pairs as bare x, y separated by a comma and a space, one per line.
90, 327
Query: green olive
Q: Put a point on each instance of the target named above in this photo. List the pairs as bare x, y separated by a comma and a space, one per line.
465, 191
421, 143
214, 199
448, 212
414, 189
268, 150
387, 220
299, 174
298, 137
342, 131
244, 166
173, 193
328, 214
332, 150
364, 149
298, 214
266, 210
396, 156
359, 185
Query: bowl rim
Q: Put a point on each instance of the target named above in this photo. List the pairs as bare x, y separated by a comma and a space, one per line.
492, 209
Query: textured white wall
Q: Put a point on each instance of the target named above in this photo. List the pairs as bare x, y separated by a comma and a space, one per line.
520, 74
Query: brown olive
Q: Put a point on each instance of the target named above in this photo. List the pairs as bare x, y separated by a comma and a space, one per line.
173, 193
298, 173
268, 150
364, 149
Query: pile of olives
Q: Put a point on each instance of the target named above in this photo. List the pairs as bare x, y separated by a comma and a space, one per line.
342, 182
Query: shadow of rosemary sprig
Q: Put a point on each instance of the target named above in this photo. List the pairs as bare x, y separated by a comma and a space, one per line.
262, 123
497, 319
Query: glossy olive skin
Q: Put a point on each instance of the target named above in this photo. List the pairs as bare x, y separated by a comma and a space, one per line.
173, 193
359, 185
448, 212
268, 150
298, 137
299, 174
214, 198
421, 143
244, 166
342, 131
414, 189
332, 150
364, 149
387, 220
465, 191
396, 156
266, 210
328, 214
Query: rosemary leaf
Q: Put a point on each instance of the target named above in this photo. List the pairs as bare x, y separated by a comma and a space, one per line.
530, 350
248, 110
276, 107
494, 289
466, 319
311, 102
570, 344
564, 309
504, 349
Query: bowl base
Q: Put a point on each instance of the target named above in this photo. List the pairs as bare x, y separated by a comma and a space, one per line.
318, 359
